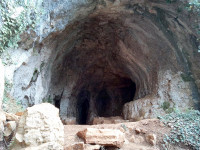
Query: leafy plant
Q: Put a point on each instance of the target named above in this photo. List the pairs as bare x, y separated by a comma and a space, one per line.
48, 100
16, 17
171, 1
185, 128
9, 103
194, 5
165, 105
186, 78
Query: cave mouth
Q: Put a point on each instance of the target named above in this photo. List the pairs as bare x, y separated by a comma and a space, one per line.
83, 105
108, 101
99, 73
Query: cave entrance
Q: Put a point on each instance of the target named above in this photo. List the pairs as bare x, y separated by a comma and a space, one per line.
97, 73
111, 99
128, 90
105, 101
83, 107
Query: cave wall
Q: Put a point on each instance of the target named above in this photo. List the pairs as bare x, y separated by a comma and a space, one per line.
1, 83
146, 42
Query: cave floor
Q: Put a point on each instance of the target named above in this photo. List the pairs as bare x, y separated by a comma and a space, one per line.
148, 126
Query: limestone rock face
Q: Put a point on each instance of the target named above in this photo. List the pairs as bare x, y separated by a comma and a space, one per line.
111, 50
105, 137
1, 82
40, 128
172, 91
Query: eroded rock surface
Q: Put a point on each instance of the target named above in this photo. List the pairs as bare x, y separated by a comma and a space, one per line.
173, 93
1, 82
40, 128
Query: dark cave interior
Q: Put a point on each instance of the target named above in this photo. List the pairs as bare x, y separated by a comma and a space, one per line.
108, 102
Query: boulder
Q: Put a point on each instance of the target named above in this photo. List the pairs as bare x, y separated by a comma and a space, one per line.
104, 137
40, 128
132, 139
137, 130
1, 82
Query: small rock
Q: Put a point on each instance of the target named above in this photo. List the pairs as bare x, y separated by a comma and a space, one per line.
151, 139
144, 131
122, 129
76, 146
137, 130
19, 113
69, 121
10, 127
132, 139
12, 117
92, 147
139, 139
152, 11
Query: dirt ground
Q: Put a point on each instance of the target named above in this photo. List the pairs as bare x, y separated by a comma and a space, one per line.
133, 139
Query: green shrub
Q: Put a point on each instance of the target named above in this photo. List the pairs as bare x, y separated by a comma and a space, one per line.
10, 104
169, 110
186, 78
165, 105
13, 24
185, 128
48, 100
194, 5
171, 1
